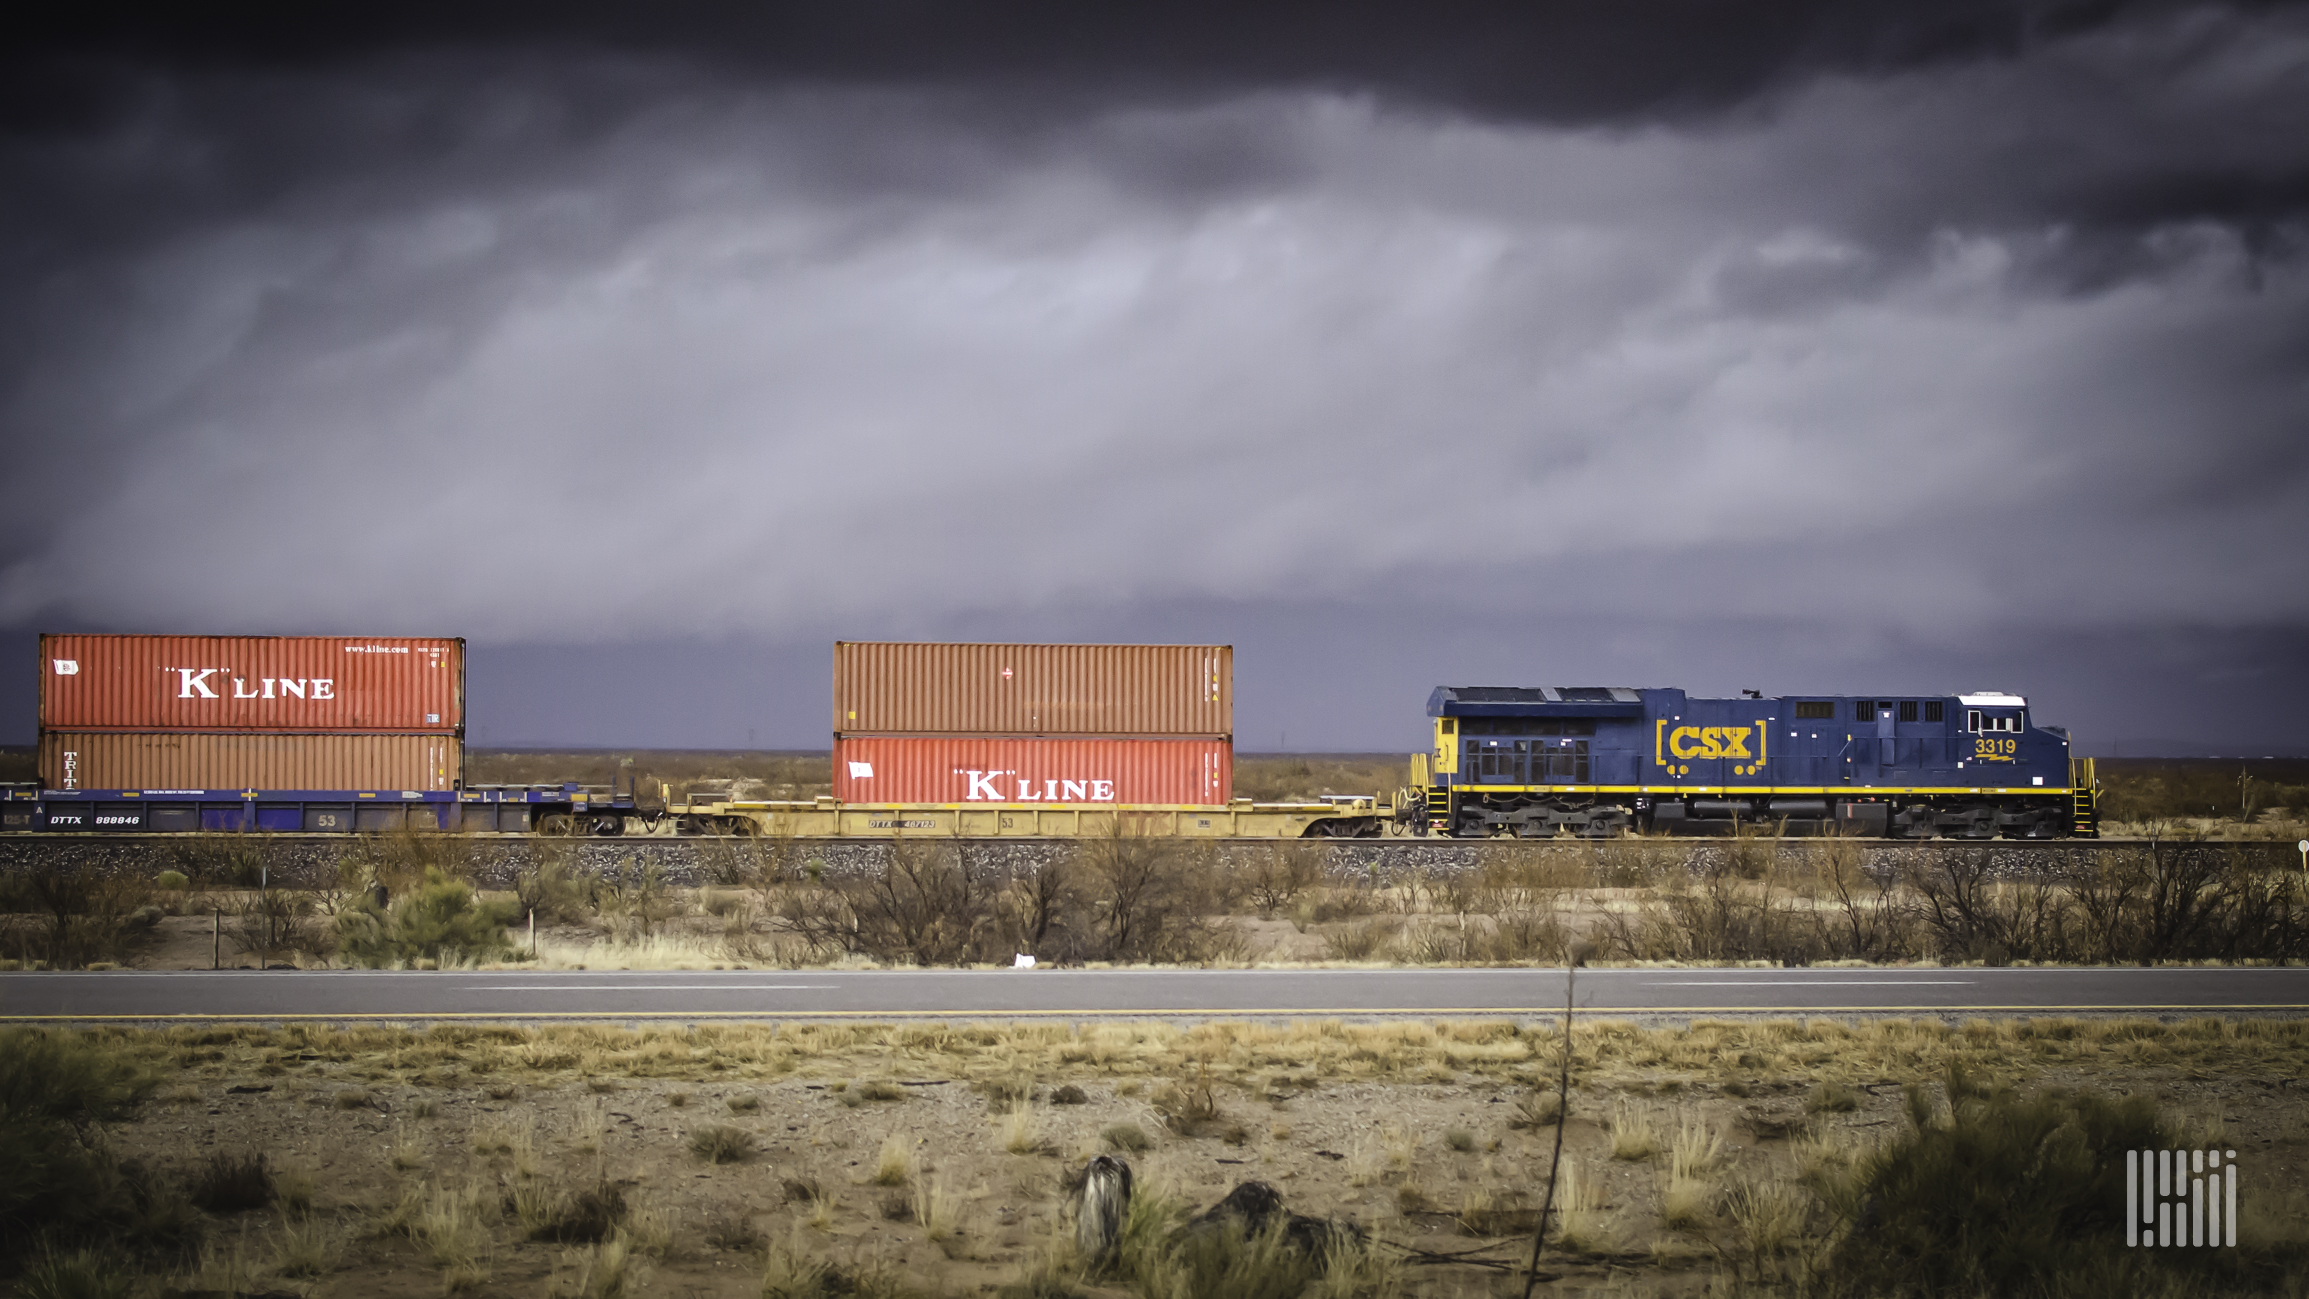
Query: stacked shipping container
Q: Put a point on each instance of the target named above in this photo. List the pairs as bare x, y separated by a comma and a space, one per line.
981, 723
251, 712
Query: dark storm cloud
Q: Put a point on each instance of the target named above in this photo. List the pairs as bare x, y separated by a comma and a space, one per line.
1559, 61
1896, 329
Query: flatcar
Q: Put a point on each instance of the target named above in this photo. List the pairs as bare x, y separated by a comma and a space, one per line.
1595, 760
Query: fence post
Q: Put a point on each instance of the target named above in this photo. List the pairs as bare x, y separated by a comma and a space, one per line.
216, 940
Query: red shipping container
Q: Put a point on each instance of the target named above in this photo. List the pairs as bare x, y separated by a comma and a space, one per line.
252, 683
951, 769
932, 688
182, 762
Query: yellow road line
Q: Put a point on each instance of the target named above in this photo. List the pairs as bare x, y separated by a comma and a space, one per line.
1541, 1011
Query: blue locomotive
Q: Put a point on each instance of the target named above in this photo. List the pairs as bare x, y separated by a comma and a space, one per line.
1595, 760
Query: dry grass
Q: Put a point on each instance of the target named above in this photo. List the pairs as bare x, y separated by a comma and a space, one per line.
721, 1144
1694, 1155
1020, 1135
896, 1164
1698, 1149
405, 1153
304, 1248
1729, 1053
1770, 1215
592, 1130
1634, 1135
1583, 1226
450, 1225
1686, 1202
936, 1208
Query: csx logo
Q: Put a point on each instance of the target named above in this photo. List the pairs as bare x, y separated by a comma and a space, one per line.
1674, 750
1709, 742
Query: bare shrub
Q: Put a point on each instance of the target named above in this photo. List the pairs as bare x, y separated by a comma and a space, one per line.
1276, 875
636, 900
1547, 867
1041, 910
1523, 925
924, 904
275, 921
1975, 915
550, 885
1635, 863
1148, 899
1361, 940
1867, 919
76, 918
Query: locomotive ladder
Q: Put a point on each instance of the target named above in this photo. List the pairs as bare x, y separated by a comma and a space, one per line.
2084, 798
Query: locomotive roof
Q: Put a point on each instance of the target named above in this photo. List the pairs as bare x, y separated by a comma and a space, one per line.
1609, 701
1542, 701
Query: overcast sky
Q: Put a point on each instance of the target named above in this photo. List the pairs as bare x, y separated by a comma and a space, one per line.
1844, 347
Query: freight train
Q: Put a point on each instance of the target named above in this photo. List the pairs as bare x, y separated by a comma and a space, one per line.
350, 735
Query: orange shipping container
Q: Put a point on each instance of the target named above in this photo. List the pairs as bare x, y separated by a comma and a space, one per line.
179, 761
951, 769
252, 683
916, 688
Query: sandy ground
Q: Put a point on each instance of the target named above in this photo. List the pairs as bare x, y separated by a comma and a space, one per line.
1407, 1160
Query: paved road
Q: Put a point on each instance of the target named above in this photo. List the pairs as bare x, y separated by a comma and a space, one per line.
1078, 994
